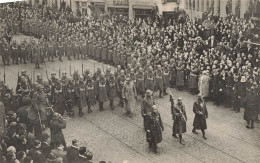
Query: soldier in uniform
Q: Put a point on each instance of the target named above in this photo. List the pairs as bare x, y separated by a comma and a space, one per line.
24, 52
70, 96
120, 84
149, 79
77, 50
47, 90
75, 75
15, 52
56, 125
112, 91
251, 107
172, 67
22, 85
57, 92
83, 47
154, 132
102, 92
179, 116
159, 80
166, 78
60, 49
140, 82
90, 94
37, 54
69, 48
39, 79
104, 51
23, 73
201, 114
51, 49
6, 53
146, 108
38, 109
80, 93
129, 95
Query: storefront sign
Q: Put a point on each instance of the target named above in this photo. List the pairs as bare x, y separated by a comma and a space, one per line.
120, 2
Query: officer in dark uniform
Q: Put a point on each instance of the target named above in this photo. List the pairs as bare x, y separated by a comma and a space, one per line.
90, 94
180, 118
140, 82
70, 96
146, 107
201, 114
6, 53
112, 90
154, 132
251, 107
80, 92
60, 49
24, 52
15, 52
102, 92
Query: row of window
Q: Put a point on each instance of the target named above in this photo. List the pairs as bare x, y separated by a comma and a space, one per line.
200, 4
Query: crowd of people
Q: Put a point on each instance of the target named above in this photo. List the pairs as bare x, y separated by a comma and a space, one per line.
215, 58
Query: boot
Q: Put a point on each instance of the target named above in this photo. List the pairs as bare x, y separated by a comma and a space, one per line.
160, 94
89, 110
101, 106
194, 131
111, 104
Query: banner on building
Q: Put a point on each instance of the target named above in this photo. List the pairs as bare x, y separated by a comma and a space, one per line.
120, 2
5, 1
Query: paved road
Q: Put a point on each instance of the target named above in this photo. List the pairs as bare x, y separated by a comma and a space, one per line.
114, 137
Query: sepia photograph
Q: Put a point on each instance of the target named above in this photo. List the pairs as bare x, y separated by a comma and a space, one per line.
129, 81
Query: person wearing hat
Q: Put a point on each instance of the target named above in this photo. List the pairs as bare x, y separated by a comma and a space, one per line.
73, 151
180, 80
180, 119
80, 94
51, 49
38, 111
201, 114
159, 80
60, 49
251, 107
102, 92
69, 95
140, 82
129, 95
45, 145
24, 52
203, 84
112, 90
154, 130
15, 52
146, 107
149, 79
35, 153
121, 77
57, 124
39, 79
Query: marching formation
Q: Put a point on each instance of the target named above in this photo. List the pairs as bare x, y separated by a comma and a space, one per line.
149, 55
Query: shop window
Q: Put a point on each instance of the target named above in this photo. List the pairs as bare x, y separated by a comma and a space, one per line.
207, 5
198, 5
187, 4
202, 5
193, 4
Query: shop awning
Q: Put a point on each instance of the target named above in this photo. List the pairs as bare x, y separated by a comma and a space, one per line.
142, 7
112, 6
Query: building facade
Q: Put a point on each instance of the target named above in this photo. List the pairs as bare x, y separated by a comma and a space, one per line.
143, 8
239, 8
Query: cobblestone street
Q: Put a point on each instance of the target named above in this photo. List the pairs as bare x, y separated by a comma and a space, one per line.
112, 136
